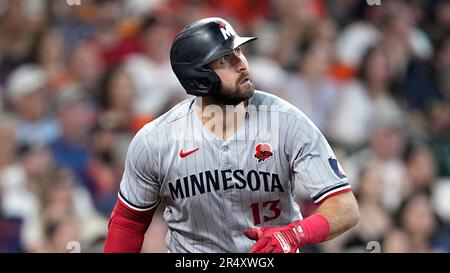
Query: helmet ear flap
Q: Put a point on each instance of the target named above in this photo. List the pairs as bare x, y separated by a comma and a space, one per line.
200, 81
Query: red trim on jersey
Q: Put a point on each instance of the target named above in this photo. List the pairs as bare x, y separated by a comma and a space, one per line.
333, 194
126, 228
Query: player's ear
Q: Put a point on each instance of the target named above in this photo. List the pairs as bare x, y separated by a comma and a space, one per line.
211, 65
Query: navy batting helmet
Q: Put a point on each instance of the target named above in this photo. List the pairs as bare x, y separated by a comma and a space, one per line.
198, 45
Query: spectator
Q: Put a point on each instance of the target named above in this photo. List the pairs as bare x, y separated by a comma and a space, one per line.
403, 38
86, 67
60, 233
49, 53
363, 101
311, 89
67, 213
71, 150
10, 224
427, 82
116, 98
150, 70
421, 168
106, 166
396, 241
375, 221
442, 67
21, 183
26, 91
16, 34
56, 197
439, 20
441, 206
416, 217
439, 128
385, 151
8, 139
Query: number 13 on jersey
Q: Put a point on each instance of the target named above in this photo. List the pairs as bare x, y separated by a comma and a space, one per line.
268, 209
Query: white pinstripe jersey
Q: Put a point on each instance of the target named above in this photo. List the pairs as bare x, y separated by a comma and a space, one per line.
215, 188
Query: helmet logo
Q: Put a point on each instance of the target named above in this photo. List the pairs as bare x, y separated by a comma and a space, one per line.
225, 32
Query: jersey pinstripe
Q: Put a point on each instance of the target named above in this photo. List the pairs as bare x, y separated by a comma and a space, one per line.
213, 188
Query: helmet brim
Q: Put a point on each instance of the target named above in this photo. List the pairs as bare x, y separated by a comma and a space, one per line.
238, 41
222, 50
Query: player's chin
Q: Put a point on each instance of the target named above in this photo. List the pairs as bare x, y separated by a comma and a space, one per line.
235, 96
246, 90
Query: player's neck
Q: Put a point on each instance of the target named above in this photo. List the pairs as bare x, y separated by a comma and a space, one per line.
222, 120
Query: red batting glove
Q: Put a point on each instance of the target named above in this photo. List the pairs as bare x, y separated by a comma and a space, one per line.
285, 239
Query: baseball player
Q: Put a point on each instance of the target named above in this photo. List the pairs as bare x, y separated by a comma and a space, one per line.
227, 163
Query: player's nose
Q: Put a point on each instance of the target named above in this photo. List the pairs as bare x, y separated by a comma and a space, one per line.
240, 63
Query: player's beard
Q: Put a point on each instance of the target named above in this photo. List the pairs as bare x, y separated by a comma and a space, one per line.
236, 94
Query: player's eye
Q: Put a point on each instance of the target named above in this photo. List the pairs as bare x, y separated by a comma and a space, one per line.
225, 59
237, 51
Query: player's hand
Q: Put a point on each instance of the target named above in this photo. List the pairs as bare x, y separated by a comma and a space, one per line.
285, 239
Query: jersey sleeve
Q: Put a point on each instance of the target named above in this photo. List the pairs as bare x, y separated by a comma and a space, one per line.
314, 164
139, 188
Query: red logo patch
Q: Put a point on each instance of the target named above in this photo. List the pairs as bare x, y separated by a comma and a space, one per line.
263, 151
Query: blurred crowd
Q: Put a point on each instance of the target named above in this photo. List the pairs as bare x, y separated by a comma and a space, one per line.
78, 81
